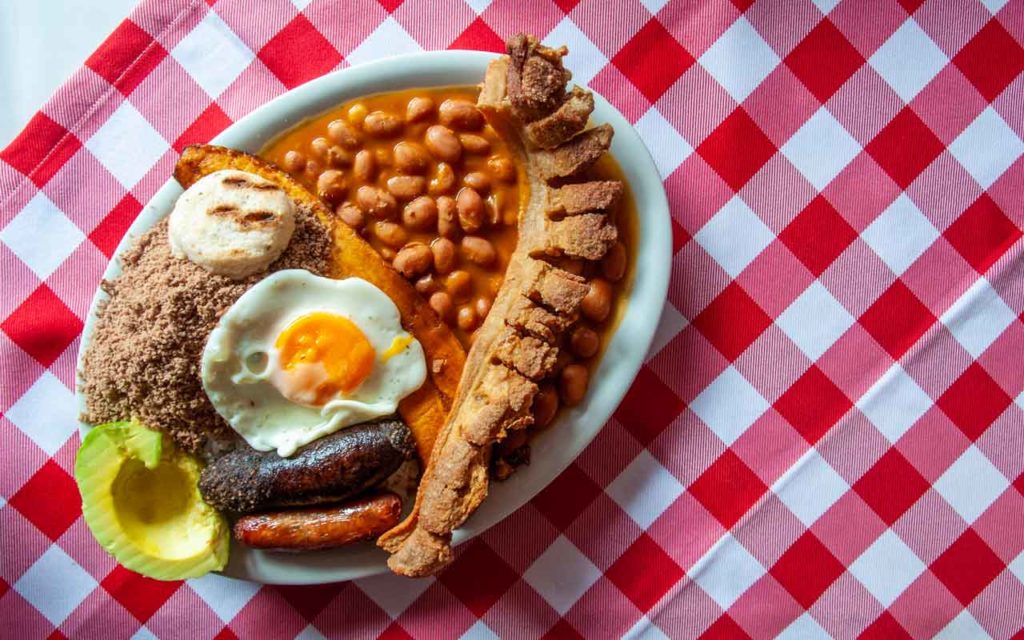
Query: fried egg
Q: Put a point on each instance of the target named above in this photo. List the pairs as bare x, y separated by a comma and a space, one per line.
299, 356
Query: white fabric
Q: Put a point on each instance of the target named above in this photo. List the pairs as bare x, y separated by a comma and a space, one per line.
31, 67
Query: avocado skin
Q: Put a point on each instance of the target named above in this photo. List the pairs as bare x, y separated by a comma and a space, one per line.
330, 469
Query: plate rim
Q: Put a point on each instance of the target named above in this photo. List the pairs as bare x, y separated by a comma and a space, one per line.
619, 365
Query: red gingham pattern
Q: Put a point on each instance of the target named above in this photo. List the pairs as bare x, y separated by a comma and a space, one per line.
827, 439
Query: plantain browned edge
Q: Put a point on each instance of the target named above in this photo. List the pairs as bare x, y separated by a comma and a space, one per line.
426, 409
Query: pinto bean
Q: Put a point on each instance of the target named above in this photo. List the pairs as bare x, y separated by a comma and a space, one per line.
426, 284
477, 180
466, 318
411, 158
294, 162
406, 187
391, 234
443, 181
357, 113
502, 168
381, 124
573, 383
483, 306
364, 166
338, 156
343, 133
444, 255
351, 215
419, 108
479, 251
460, 114
613, 266
459, 284
584, 341
376, 202
413, 260
447, 217
598, 302
442, 144
471, 209
312, 170
441, 303
330, 186
545, 405
420, 214
319, 146
477, 145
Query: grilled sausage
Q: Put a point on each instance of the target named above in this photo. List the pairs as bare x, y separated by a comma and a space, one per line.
330, 469
320, 527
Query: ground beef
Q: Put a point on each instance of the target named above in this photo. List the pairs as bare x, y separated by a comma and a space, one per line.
144, 357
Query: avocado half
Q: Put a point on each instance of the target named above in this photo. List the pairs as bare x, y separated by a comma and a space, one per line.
141, 500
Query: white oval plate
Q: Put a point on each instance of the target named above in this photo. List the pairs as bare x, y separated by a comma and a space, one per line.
554, 448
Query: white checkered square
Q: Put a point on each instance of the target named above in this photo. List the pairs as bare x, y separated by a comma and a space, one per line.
815, 320
644, 629
127, 145
644, 489
479, 631
393, 593
962, 627
804, 628
739, 59
213, 55
671, 323
987, 147
654, 6
729, 405
1017, 567
971, 484
734, 236
145, 634
587, 59
908, 60
810, 488
55, 584
994, 6
887, 567
978, 317
821, 148
825, 5
726, 571
226, 596
894, 403
667, 147
562, 574
46, 413
389, 39
41, 236
479, 6
900, 234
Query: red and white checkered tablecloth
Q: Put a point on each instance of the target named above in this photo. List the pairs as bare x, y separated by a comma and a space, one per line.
827, 439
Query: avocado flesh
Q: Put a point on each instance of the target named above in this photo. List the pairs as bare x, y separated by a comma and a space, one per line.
141, 500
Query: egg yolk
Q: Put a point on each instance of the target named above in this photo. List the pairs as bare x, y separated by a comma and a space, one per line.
331, 341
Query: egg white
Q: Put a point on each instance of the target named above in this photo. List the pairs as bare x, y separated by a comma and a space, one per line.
240, 359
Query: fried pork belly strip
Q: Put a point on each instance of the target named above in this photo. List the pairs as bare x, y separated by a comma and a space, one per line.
524, 97
425, 410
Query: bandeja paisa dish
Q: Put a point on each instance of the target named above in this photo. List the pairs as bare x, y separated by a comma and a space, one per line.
351, 334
